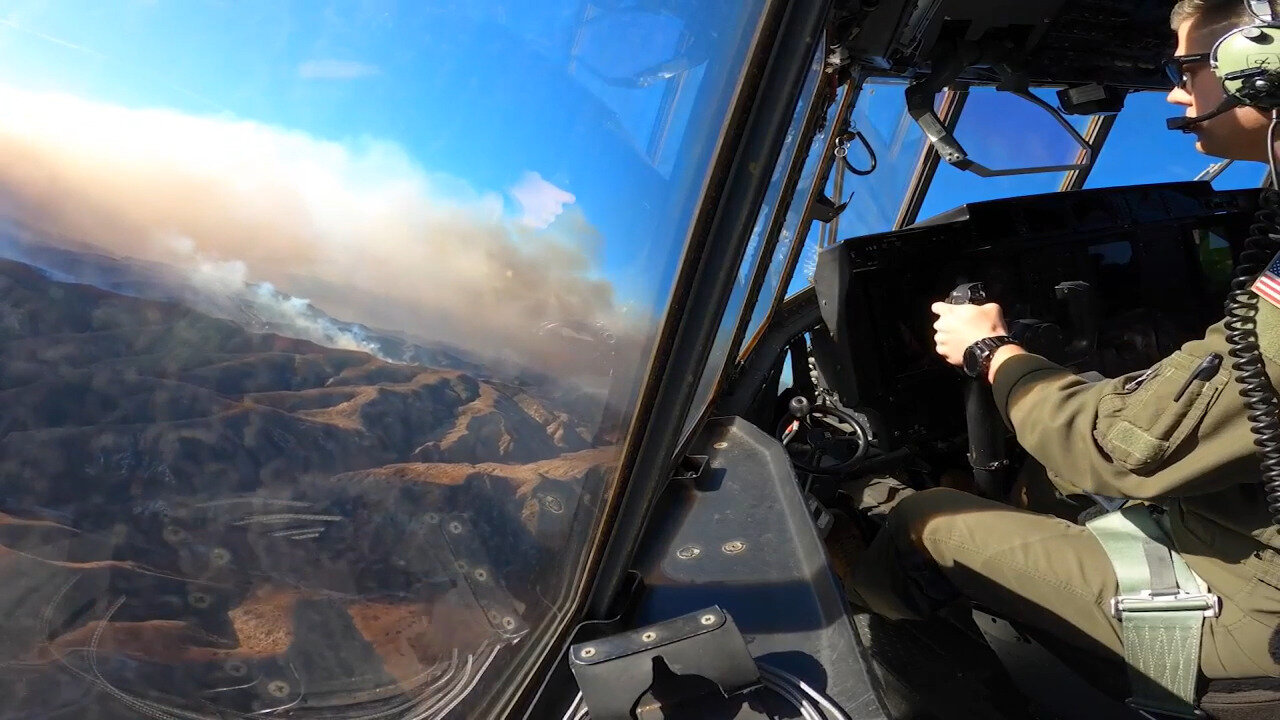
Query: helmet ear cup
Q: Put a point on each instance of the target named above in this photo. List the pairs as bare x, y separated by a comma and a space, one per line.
1247, 61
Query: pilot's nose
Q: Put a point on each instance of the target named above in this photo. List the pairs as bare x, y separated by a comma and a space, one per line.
1179, 96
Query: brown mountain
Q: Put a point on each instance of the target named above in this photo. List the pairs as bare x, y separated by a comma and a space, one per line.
189, 503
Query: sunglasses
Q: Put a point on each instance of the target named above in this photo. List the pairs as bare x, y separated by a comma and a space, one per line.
1176, 67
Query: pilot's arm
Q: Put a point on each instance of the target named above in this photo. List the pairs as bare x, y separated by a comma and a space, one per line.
1144, 435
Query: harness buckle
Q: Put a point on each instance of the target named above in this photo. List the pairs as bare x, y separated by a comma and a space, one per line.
1208, 603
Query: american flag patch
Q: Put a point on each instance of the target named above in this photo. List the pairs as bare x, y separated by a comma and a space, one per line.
1267, 286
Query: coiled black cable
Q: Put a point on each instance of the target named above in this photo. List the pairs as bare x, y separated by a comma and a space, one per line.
1242, 335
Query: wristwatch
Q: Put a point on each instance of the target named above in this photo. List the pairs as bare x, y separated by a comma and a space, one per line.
977, 357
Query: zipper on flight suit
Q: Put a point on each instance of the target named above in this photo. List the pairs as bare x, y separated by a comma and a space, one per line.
1137, 382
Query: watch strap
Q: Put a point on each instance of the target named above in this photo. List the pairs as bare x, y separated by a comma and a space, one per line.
986, 348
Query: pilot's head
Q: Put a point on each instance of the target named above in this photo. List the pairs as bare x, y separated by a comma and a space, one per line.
1241, 133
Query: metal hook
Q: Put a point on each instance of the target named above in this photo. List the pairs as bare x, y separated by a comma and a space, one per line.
842, 151
842, 146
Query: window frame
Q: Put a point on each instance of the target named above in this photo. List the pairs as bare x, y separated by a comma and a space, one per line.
729, 202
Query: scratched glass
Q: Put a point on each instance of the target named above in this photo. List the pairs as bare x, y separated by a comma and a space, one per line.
320, 330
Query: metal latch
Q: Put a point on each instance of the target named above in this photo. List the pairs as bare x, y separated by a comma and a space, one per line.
1208, 603
614, 673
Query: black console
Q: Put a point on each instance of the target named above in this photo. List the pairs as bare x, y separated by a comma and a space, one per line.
1107, 280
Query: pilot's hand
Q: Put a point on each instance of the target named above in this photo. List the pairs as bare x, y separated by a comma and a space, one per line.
960, 326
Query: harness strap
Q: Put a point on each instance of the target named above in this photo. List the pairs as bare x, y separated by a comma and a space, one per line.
1161, 608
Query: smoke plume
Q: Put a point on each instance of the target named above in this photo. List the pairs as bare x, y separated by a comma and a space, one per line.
355, 227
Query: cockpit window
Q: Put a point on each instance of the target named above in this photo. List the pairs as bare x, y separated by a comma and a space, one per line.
808, 264
1004, 131
880, 114
321, 326
1140, 150
874, 201
796, 224
1001, 131
757, 259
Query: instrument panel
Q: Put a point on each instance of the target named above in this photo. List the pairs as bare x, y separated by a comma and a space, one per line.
1108, 280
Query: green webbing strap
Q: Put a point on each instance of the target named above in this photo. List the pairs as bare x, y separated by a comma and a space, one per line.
1161, 608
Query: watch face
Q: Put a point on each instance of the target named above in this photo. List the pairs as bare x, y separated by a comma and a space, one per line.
973, 361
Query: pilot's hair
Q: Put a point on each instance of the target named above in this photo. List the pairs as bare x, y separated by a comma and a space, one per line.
1215, 12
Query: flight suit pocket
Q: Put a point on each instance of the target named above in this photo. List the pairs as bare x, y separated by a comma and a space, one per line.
1140, 426
1261, 597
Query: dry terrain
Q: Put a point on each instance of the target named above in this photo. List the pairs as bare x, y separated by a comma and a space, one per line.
254, 522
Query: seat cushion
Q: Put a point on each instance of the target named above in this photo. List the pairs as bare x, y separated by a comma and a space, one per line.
1245, 699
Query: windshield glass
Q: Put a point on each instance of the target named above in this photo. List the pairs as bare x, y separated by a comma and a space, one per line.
1000, 131
793, 150
1043, 142
880, 114
796, 223
320, 328
1140, 150
986, 124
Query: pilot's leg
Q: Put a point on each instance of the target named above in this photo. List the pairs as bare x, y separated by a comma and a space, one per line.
939, 545
876, 495
1038, 569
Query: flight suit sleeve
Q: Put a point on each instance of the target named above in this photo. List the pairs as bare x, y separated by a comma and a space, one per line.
1133, 436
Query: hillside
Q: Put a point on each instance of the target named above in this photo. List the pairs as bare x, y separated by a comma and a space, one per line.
188, 504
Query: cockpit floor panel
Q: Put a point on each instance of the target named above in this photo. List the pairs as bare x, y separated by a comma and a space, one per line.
935, 671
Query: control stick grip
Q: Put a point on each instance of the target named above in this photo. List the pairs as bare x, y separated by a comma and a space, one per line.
987, 453
973, 293
1079, 297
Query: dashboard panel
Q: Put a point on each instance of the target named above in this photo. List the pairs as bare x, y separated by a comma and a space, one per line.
1108, 280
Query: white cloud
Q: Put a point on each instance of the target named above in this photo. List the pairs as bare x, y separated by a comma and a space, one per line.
336, 70
540, 201
359, 228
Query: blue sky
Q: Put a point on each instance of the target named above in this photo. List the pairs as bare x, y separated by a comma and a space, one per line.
451, 83
522, 101
478, 93
1139, 150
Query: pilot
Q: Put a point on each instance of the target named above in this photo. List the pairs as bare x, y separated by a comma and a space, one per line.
1196, 540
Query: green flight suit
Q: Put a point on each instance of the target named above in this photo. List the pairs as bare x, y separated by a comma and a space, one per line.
1127, 438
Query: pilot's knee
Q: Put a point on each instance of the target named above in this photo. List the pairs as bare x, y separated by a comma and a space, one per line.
927, 513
